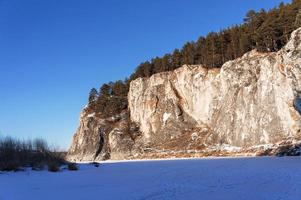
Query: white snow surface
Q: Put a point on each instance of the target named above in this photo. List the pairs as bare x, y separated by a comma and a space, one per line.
259, 178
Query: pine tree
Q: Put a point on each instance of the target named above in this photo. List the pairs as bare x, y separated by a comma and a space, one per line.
93, 95
105, 90
199, 51
147, 68
166, 62
119, 89
177, 59
188, 53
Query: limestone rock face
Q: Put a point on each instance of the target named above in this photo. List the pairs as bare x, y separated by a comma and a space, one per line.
166, 104
250, 101
88, 142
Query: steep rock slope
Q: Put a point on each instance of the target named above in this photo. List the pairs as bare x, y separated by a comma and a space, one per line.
250, 101
101, 139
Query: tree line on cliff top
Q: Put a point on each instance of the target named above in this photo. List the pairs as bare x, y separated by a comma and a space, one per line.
266, 31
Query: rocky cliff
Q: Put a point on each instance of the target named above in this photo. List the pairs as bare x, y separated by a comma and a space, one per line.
250, 103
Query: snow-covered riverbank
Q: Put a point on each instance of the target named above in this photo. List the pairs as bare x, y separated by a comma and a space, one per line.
207, 179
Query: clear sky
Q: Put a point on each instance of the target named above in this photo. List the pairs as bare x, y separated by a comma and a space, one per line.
52, 52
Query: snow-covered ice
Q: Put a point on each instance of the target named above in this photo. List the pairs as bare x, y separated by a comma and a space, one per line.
263, 178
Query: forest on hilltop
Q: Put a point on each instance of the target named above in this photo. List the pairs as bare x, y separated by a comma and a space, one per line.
266, 31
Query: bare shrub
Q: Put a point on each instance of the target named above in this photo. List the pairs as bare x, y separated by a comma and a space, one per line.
15, 154
72, 167
53, 167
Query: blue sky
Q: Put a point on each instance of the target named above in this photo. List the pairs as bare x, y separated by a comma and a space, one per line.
52, 52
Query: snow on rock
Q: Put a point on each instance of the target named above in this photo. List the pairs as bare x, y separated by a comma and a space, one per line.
91, 114
194, 136
227, 147
165, 117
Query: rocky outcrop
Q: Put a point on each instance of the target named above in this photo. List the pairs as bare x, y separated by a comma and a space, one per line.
90, 140
100, 139
249, 102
